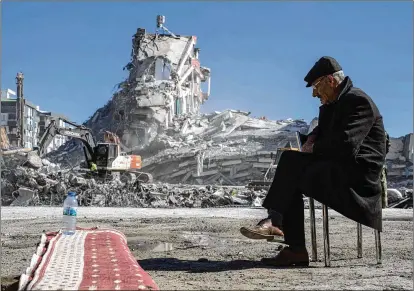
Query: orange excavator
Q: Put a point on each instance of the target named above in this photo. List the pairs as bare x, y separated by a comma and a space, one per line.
106, 157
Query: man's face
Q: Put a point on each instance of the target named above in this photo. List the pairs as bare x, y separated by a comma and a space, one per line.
324, 89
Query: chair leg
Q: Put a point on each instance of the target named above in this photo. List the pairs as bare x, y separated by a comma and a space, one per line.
359, 240
378, 248
326, 236
314, 256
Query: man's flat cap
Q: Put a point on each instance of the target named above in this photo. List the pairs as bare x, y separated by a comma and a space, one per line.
323, 67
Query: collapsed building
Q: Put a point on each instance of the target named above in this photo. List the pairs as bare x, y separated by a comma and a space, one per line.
227, 148
165, 80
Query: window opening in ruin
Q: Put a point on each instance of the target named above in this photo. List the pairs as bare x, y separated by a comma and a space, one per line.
162, 69
167, 71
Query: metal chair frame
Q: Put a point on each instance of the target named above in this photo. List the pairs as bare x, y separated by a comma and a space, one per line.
326, 244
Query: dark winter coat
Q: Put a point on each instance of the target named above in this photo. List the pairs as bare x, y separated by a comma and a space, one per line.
344, 169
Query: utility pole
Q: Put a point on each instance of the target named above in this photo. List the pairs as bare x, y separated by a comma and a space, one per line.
20, 109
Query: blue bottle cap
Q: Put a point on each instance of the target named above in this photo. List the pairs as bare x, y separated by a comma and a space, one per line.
71, 194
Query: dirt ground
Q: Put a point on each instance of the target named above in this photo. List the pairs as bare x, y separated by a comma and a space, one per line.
206, 251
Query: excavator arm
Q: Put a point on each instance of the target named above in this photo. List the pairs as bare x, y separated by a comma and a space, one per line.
80, 132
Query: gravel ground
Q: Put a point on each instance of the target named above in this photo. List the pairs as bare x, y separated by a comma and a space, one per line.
190, 249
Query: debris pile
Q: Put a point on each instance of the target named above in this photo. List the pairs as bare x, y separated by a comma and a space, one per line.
401, 198
400, 162
228, 148
49, 184
24, 184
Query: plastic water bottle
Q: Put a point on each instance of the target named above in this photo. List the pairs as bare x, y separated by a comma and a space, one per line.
70, 210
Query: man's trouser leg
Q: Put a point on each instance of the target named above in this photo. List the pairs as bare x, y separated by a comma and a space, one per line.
276, 218
287, 179
285, 197
294, 223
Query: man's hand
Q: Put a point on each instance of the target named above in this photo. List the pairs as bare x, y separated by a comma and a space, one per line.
308, 145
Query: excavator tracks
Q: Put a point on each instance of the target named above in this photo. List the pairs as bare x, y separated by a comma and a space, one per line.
143, 177
130, 175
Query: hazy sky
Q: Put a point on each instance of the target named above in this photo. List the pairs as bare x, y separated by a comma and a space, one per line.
72, 54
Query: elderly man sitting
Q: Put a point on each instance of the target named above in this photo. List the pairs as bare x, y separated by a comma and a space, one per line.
339, 166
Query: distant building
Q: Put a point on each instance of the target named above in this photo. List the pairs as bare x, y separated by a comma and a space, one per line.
34, 123
44, 121
8, 118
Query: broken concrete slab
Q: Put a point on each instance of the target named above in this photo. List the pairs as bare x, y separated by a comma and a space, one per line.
25, 196
33, 160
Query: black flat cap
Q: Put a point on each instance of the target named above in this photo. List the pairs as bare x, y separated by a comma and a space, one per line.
323, 67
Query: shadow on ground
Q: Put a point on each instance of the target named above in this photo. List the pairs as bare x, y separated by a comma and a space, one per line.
9, 284
200, 266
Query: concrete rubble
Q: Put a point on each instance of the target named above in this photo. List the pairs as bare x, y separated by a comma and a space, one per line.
228, 148
48, 185
24, 185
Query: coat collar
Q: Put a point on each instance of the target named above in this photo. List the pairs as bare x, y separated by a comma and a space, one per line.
346, 85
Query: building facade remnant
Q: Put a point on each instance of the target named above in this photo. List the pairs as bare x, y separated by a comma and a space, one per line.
23, 121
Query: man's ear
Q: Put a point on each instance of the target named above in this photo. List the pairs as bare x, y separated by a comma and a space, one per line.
331, 80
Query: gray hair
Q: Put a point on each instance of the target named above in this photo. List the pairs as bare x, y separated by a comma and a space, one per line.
339, 76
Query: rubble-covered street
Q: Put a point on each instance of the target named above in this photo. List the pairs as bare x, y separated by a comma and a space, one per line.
182, 249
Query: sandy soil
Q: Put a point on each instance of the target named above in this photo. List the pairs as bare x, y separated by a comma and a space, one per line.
190, 249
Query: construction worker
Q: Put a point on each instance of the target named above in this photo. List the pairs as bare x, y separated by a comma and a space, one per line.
94, 168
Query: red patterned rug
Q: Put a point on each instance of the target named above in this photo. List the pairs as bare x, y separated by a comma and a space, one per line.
91, 259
